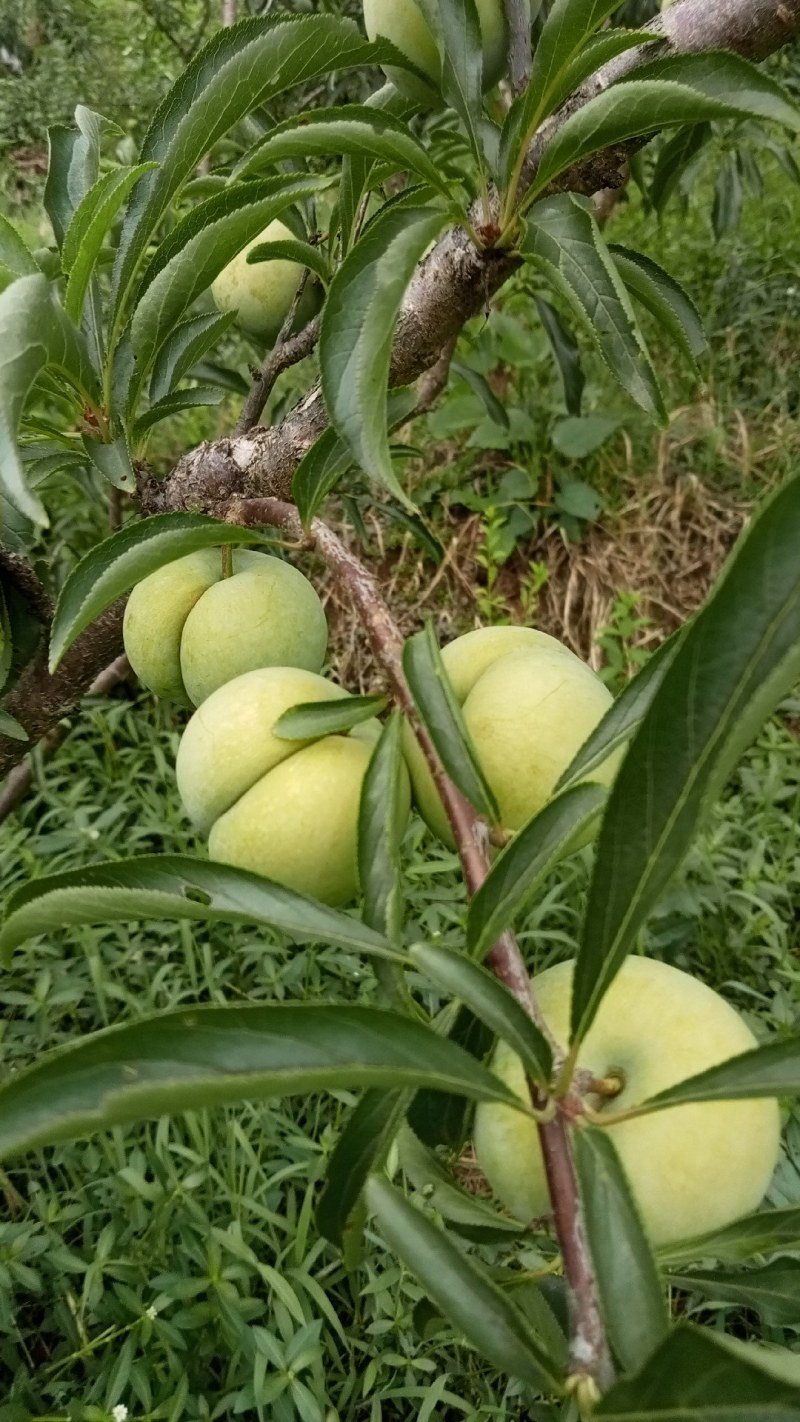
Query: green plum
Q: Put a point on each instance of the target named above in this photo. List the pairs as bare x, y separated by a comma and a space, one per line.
403, 23
262, 292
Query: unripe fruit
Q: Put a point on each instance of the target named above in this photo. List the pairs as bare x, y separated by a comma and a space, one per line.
188, 630
284, 809
528, 704
692, 1168
403, 23
262, 293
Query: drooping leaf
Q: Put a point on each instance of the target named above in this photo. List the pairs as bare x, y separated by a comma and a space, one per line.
10, 726
439, 1118
357, 331
88, 228
369, 1131
565, 243
472, 1217
675, 155
358, 171
441, 713
695, 1378
112, 458
115, 565
731, 667
490, 1001
176, 886
765, 1232
480, 386
773, 1290
329, 457
456, 27
467, 1297
773, 1070
15, 256
665, 298
207, 1056
36, 335
239, 69
174, 404
567, 355
304, 253
354, 129
183, 349
632, 1295
73, 165
527, 859
327, 718
380, 831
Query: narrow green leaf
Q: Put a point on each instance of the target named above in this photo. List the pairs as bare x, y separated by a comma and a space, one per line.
765, 1232
773, 1290
675, 155
176, 887
183, 349
490, 1001
358, 328
773, 1070
196, 250
731, 667
532, 853
480, 386
368, 1133
694, 1377
681, 89
238, 70
566, 353
113, 459
10, 726
467, 1297
173, 404
660, 294
380, 831
302, 252
624, 717
441, 713
595, 53
88, 229
632, 1294
113, 566
456, 27
313, 719
358, 170
354, 129
437, 1118
565, 243
15, 256
36, 335
208, 1056
473, 1217
74, 165
329, 457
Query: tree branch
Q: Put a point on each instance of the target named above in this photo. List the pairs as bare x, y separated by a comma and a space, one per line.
287, 351
519, 48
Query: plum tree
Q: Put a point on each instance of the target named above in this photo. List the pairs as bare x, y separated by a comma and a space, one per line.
282, 808
404, 24
529, 704
691, 1168
262, 293
188, 629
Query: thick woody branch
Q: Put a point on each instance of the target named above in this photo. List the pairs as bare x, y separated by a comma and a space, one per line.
519, 48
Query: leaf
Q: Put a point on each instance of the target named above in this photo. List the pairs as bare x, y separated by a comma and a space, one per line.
490, 1001
665, 298
358, 324
579, 436
526, 860
200, 246
765, 1232
238, 70
681, 89
733, 664
624, 716
329, 457
773, 1290
208, 1056
173, 404
368, 1133
578, 499
15, 256
695, 1378
441, 714
441, 1119
380, 832
358, 172
181, 351
595, 53
112, 459
632, 1295
564, 242
88, 228
773, 1070
10, 726
73, 166
112, 567
675, 154
473, 1217
567, 355
467, 1297
36, 335
728, 197
176, 887
456, 28
354, 129
303, 253
312, 719
480, 386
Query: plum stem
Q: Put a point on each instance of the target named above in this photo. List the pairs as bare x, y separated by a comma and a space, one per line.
590, 1358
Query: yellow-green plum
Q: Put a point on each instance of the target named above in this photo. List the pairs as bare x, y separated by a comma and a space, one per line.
404, 25
262, 292
692, 1168
285, 809
529, 704
267, 615
157, 610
